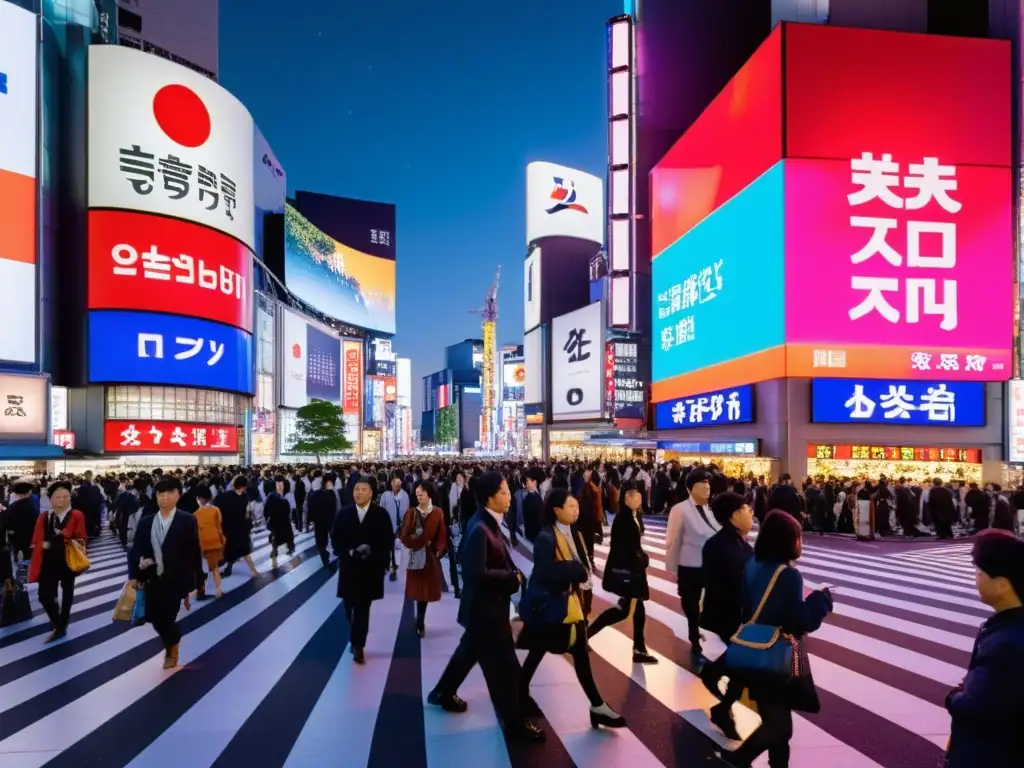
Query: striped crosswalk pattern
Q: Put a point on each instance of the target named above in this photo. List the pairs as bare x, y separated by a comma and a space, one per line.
266, 681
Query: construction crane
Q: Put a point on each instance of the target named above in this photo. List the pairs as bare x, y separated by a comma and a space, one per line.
489, 314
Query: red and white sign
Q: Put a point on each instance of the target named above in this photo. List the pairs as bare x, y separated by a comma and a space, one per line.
352, 386
168, 437
609, 378
138, 261
65, 438
169, 141
390, 389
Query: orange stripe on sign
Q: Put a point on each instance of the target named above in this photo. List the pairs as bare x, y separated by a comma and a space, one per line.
18, 203
760, 366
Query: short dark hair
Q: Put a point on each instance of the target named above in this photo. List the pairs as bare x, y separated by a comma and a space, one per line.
168, 483
427, 486
777, 540
487, 486
240, 481
54, 487
696, 476
724, 505
556, 499
202, 491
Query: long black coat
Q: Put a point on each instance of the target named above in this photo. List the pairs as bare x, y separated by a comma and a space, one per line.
181, 553
235, 524
489, 576
362, 580
626, 551
725, 557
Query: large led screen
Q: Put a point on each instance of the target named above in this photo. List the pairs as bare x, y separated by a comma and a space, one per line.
884, 401
348, 284
718, 297
312, 362
736, 139
898, 267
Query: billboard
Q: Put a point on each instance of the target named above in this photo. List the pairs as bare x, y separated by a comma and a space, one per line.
577, 364
884, 401
533, 353
531, 291
270, 184
1015, 421
24, 407
709, 409
19, 44
151, 348
312, 363
157, 264
165, 140
563, 202
403, 369
351, 285
513, 382
168, 437
625, 387
726, 270
352, 388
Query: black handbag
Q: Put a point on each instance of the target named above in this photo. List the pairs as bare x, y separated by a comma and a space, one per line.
14, 604
619, 581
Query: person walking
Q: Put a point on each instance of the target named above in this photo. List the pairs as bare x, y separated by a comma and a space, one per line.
212, 540
54, 532
236, 522
425, 539
322, 506
164, 560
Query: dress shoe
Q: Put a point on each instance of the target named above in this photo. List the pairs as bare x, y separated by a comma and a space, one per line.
171, 657
606, 716
643, 657
449, 703
56, 635
525, 731
394, 575
721, 716
358, 656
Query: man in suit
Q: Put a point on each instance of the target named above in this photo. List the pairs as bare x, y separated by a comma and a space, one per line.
165, 558
323, 505
489, 580
363, 540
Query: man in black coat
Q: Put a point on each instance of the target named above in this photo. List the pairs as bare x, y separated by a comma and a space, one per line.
89, 500
323, 508
363, 540
164, 559
785, 497
490, 579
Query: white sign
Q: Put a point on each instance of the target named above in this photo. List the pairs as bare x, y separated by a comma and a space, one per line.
531, 291
166, 140
577, 364
1016, 421
563, 202
533, 351
293, 364
19, 41
403, 373
58, 408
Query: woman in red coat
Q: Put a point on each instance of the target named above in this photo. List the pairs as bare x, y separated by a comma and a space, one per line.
49, 566
424, 536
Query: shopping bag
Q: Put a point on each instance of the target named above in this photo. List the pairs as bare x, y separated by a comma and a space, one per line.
125, 603
139, 610
74, 555
14, 604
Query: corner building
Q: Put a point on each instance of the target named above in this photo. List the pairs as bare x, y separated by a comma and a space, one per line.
833, 260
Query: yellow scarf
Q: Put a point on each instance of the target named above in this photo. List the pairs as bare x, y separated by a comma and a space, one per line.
563, 553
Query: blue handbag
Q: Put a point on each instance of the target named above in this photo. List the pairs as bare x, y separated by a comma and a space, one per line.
139, 611
762, 653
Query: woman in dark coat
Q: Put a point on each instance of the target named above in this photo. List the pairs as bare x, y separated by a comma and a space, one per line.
237, 525
423, 530
278, 513
625, 572
779, 543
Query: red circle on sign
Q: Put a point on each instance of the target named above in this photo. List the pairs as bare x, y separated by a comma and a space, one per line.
181, 114
296, 351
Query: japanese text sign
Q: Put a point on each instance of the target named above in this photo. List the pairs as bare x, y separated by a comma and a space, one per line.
894, 453
1015, 421
888, 260
168, 437
917, 403
158, 264
148, 348
166, 140
24, 407
352, 383
711, 409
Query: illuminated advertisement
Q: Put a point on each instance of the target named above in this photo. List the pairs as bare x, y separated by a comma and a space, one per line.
894, 453
168, 437
736, 139
531, 291
270, 184
533, 351
725, 272
709, 409
1015, 421
513, 382
390, 389
577, 364
563, 202
19, 42
915, 403
311, 363
626, 389
353, 284
24, 407
352, 388
168, 141
153, 263
149, 348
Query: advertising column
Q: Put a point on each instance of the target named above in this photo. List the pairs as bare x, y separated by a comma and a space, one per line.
352, 392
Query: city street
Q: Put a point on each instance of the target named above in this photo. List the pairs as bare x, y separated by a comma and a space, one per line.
265, 679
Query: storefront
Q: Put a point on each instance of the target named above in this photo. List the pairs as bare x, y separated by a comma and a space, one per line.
915, 463
596, 445
735, 458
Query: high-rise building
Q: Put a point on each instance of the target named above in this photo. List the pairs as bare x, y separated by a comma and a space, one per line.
184, 31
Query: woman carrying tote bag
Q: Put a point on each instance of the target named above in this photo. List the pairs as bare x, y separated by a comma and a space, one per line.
425, 539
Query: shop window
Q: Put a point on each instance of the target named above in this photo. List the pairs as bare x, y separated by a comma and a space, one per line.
174, 404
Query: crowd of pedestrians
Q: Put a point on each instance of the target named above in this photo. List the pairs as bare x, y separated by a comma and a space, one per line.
181, 528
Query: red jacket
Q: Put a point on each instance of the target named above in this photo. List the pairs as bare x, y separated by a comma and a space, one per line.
75, 529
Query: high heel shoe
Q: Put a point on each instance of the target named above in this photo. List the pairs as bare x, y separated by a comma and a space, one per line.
606, 716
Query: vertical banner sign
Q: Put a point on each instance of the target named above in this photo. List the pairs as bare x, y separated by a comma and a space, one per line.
1015, 422
609, 379
352, 390
577, 364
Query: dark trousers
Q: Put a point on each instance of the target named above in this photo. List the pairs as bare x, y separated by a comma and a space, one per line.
714, 672
620, 612
453, 571
580, 653
59, 616
421, 613
495, 651
358, 614
322, 535
162, 607
772, 735
690, 584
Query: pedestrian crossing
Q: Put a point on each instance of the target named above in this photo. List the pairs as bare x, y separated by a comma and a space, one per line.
265, 680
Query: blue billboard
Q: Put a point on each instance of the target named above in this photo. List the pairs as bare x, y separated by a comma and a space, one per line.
913, 403
710, 409
149, 348
323, 365
718, 293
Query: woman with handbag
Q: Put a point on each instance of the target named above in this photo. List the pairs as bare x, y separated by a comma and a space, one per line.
425, 539
625, 572
58, 556
552, 608
767, 650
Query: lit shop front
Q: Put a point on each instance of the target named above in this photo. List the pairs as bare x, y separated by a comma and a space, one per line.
580, 445
735, 458
916, 463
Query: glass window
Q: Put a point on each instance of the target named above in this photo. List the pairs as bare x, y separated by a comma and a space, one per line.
176, 404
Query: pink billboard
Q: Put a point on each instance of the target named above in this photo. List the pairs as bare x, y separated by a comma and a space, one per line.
898, 267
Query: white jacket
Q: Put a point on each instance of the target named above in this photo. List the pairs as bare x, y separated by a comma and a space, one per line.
687, 532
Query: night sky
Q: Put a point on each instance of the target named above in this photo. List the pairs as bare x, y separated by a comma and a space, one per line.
436, 107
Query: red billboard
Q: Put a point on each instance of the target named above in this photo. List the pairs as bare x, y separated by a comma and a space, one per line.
139, 261
850, 91
352, 382
144, 436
